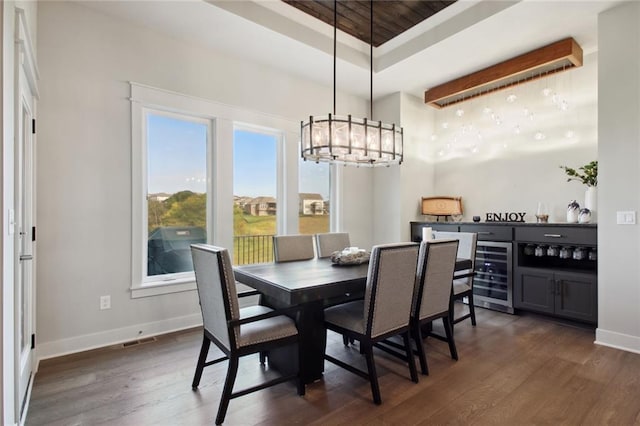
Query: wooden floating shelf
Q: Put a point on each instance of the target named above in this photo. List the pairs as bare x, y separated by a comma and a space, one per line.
555, 57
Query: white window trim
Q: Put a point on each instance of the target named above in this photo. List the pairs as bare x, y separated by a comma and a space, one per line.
143, 285
219, 221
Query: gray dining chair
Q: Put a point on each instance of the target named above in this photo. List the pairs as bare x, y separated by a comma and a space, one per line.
327, 243
463, 287
431, 299
235, 331
292, 247
432, 295
384, 311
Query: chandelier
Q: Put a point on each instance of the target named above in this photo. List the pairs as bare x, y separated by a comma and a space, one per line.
347, 140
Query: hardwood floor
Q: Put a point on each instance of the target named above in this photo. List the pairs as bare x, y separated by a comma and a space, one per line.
513, 370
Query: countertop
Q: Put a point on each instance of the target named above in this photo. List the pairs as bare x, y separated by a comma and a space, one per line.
580, 225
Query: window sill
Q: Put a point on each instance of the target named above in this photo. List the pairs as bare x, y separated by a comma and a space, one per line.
156, 289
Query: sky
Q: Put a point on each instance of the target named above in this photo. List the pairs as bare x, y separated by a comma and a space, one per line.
177, 151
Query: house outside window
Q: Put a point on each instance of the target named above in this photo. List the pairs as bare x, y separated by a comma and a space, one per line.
314, 206
255, 187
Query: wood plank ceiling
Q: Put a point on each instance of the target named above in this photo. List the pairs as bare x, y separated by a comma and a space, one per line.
390, 17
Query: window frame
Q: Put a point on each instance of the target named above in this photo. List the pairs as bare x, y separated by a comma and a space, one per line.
142, 284
225, 119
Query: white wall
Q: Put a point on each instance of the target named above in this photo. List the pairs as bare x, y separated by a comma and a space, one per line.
398, 190
84, 174
516, 178
619, 177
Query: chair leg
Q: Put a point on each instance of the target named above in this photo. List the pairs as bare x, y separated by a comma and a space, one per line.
263, 357
448, 330
472, 309
228, 389
345, 340
204, 350
301, 386
371, 368
422, 357
410, 359
451, 312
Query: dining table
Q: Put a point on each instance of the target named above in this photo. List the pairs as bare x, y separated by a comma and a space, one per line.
311, 285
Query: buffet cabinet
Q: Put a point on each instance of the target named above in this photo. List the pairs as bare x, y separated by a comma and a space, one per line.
545, 268
556, 272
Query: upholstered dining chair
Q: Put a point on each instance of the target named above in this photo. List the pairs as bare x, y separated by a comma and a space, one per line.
329, 242
463, 287
292, 247
432, 296
235, 331
384, 311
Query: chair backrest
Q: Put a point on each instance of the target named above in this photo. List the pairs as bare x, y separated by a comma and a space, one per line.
329, 242
434, 277
217, 290
292, 247
390, 284
466, 249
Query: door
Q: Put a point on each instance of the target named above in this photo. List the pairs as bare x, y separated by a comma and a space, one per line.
24, 238
534, 290
577, 296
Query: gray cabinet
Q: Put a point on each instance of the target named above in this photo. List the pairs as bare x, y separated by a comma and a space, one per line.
547, 280
570, 295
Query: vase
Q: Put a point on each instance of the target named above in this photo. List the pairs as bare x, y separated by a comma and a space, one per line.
591, 198
573, 210
585, 216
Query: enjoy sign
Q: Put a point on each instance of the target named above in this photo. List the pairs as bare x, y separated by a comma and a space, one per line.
505, 217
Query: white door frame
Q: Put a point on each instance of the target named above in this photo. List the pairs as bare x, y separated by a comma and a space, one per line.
26, 94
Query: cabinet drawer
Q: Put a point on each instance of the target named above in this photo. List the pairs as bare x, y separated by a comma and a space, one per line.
445, 227
557, 234
490, 233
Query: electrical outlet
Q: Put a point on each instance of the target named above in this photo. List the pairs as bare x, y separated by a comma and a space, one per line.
105, 302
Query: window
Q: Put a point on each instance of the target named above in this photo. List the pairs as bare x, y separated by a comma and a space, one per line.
254, 195
314, 197
176, 147
189, 158
172, 157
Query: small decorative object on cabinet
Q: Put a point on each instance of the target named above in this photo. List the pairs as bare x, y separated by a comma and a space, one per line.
573, 210
584, 216
542, 215
588, 175
476, 218
442, 207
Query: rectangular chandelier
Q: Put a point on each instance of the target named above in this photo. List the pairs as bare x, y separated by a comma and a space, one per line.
347, 140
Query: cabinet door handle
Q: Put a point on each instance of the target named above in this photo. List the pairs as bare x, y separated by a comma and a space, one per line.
552, 286
553, 235
558, 288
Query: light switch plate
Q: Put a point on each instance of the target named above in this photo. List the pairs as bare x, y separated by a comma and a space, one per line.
626, 218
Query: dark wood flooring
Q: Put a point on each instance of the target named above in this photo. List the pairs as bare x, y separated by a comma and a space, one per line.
513, 370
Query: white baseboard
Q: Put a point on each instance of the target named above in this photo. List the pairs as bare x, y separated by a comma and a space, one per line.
115, 336
613, 339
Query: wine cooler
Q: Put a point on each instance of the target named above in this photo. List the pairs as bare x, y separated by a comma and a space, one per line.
493, 282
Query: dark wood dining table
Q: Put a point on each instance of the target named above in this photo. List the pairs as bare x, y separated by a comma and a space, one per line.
312, 285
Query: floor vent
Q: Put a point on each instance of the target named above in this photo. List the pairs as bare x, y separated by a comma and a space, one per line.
139, 342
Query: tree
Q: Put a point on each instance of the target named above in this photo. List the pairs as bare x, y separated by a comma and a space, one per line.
156, 211
239, 223
186, 210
